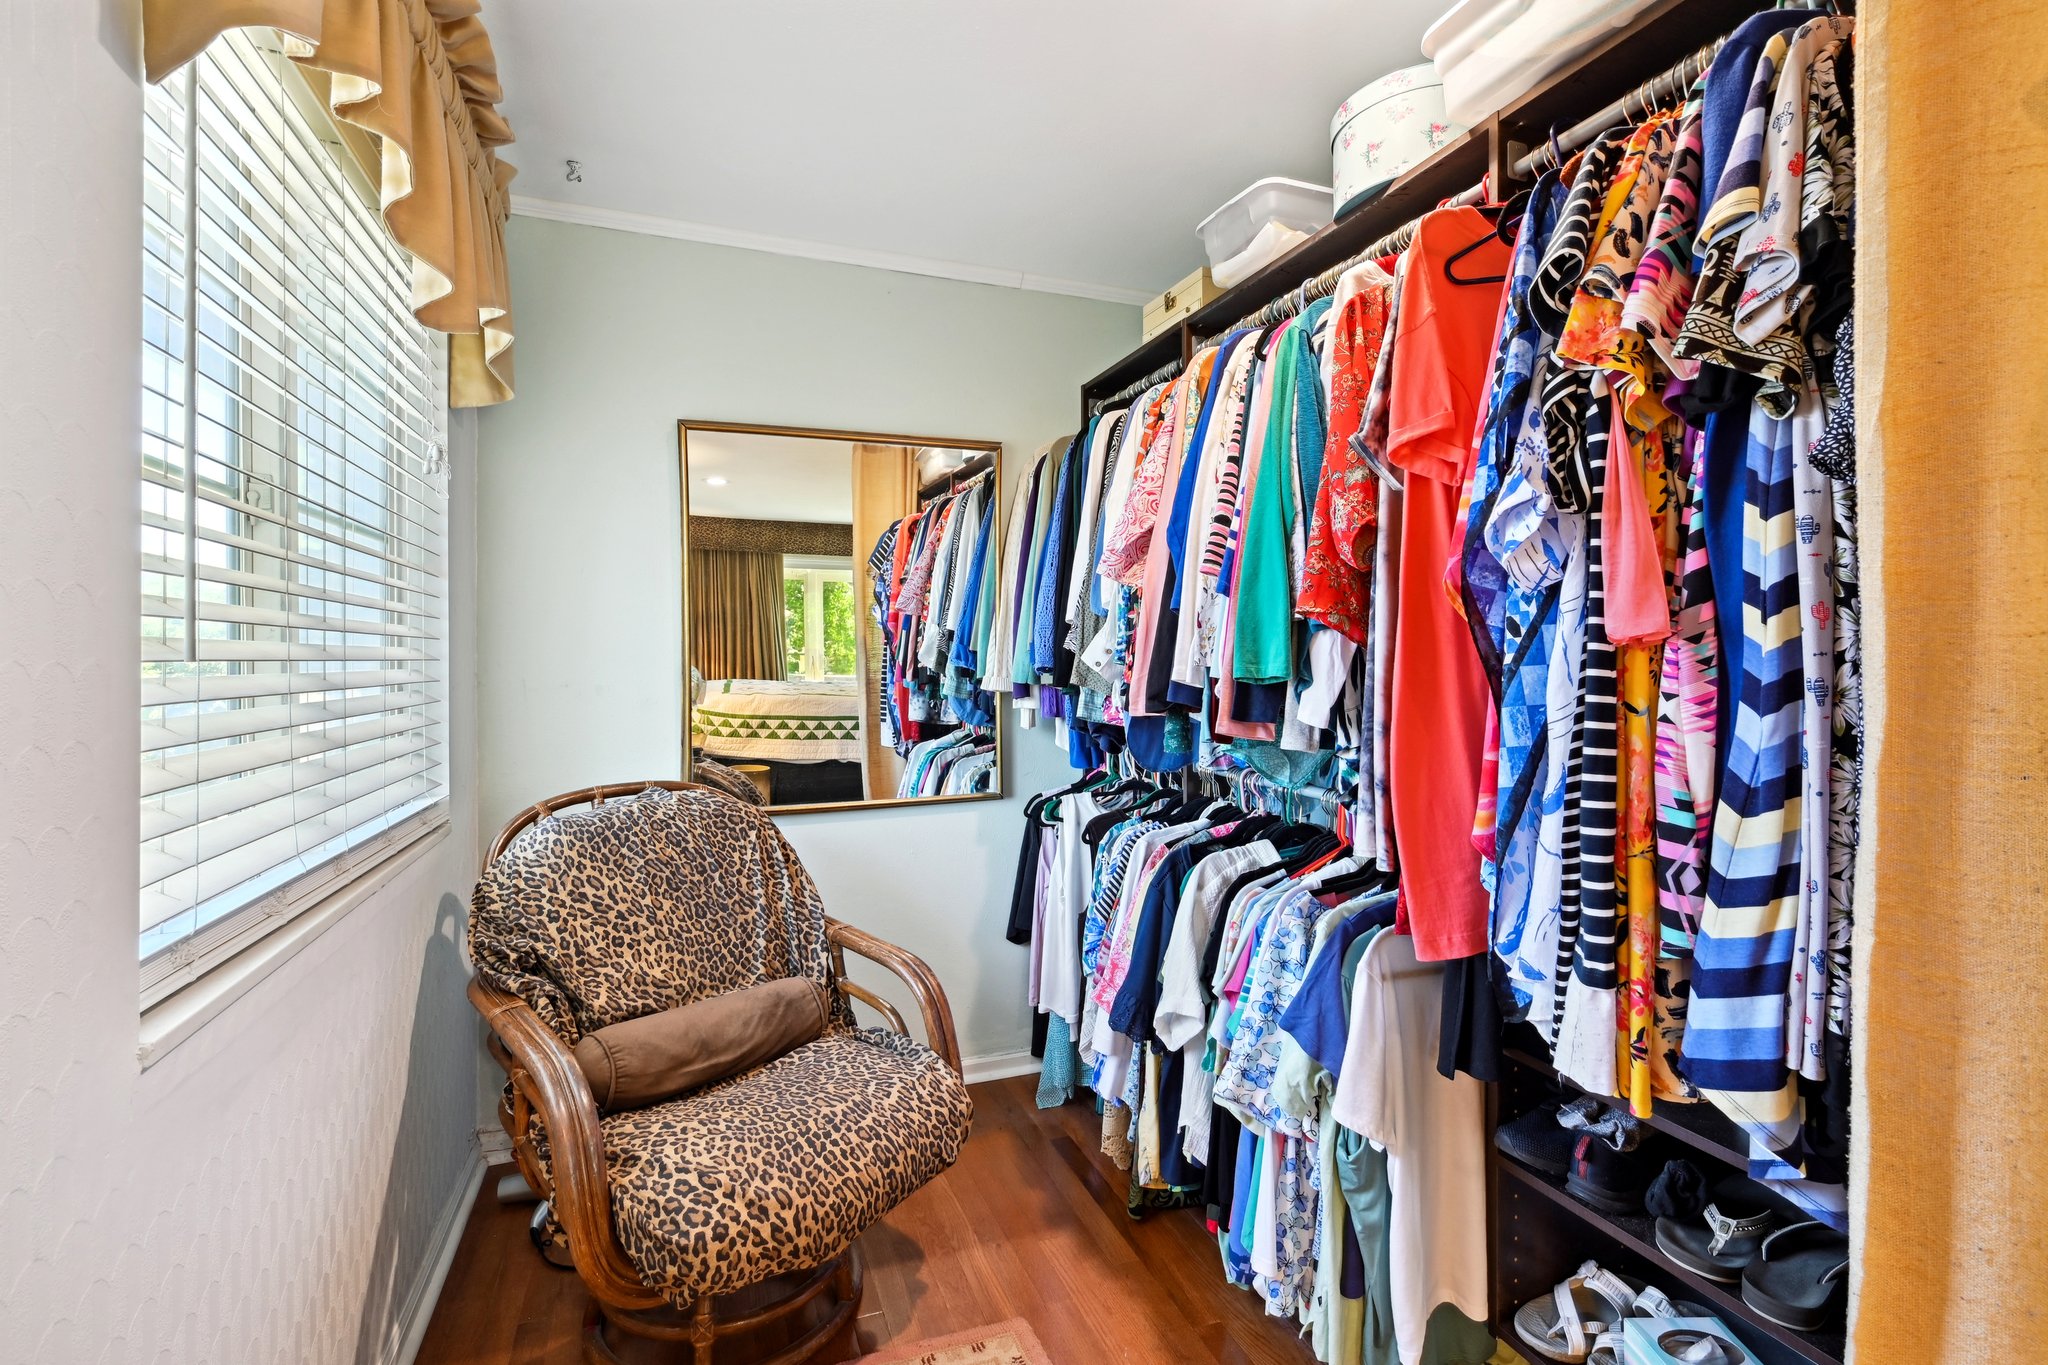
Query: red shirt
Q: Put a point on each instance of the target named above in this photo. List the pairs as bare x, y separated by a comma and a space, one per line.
1436, 729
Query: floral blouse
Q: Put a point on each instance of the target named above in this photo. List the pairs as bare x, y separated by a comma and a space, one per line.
1338, 566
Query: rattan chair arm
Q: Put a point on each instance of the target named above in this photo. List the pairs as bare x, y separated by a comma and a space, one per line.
853, 990
544, 1070
912, 971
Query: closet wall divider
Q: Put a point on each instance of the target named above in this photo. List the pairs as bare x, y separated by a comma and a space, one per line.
1539, 1233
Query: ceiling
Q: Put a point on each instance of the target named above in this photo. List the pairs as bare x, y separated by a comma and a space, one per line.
770, 478
1070, 145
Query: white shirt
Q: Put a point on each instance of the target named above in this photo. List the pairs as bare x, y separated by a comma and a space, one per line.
1329, 669
1433, 1131
1066, 897
1180, 1014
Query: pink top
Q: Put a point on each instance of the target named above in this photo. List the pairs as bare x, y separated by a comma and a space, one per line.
1638, 608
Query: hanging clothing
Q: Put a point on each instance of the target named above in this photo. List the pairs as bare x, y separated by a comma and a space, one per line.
1440, 694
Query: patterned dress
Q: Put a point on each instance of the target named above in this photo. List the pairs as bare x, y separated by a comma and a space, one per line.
1338, 573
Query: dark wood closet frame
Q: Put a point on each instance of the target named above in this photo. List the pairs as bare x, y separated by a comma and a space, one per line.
1661, 36
1538, 1234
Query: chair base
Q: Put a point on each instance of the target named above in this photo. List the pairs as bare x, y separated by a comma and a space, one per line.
802, 1318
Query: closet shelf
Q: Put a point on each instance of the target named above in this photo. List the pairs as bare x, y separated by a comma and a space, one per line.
1637, 1232
1700, 1126
1455, 166
1663, 33
1149, 356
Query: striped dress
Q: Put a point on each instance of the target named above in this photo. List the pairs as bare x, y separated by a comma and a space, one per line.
1735, 1036
1588, 958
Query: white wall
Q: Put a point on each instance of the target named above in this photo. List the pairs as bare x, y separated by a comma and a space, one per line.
580, 635
272, 1189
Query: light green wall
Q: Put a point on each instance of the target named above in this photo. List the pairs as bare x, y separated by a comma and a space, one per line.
619, 336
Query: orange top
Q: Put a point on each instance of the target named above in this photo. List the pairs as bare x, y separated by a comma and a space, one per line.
1438, 386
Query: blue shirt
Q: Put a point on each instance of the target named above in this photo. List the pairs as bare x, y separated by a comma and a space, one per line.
1319, 1018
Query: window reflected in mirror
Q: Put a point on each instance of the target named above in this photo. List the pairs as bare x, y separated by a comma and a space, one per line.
833, 596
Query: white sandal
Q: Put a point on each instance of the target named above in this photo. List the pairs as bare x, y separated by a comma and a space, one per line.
1650, 1303
1569, 1323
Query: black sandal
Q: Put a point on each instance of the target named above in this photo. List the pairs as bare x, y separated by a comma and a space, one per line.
1723, 1240
1797, 1276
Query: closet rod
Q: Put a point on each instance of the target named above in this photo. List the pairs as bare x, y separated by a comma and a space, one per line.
1631, 108
1296, 299
1323, 285
1671, 84
1137, 386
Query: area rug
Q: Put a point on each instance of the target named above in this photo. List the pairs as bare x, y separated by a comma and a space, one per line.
1001, 1343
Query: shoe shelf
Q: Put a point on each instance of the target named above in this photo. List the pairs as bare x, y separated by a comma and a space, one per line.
1529, 1200
1699, 1126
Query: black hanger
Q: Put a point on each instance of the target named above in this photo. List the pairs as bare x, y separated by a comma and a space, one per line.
1365, 881
1318, 850
1509, 226
1249, 828
1036, 806
1462, 252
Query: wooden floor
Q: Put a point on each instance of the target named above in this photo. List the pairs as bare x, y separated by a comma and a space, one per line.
1029, 1224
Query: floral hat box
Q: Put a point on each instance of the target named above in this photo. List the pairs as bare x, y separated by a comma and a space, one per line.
1394, 123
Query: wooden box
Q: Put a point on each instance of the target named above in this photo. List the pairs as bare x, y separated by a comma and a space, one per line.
1176, 303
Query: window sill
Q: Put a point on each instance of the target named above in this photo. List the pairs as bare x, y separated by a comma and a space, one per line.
177, 1017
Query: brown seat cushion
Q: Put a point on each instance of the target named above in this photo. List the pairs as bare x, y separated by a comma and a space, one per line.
659, 1055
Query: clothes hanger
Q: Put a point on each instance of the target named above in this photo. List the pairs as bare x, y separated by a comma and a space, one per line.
1334, 849
1461, 253
1493, 234
1509, 225
1365, 879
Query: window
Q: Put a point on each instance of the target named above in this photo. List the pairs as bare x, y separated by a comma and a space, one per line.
293, 517
817, 617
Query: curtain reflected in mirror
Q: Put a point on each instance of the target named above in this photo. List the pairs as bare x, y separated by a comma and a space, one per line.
831, 586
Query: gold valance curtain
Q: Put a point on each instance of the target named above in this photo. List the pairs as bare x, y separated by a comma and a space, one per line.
736, 614
418, 75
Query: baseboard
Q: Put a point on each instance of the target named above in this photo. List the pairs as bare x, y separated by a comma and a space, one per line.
999, 1066
495, 1143
426, 1291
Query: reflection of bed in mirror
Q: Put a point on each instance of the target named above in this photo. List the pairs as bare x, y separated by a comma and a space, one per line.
816, 668
806, 733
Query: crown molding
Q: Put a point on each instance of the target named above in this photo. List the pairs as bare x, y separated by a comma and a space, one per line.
653, 225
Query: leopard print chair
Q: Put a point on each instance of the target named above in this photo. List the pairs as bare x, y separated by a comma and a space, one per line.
723, 1218
709, 772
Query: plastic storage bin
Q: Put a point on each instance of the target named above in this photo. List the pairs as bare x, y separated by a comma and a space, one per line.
1294, 204
1490, 53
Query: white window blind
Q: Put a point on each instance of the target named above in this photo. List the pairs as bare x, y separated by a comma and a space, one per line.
293, 517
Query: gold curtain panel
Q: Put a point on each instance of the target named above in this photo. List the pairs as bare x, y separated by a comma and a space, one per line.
420, 76
1951, 934
736, 614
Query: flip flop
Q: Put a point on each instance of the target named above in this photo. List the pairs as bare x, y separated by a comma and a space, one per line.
1565, 1324
1726, 1237
1797, 1276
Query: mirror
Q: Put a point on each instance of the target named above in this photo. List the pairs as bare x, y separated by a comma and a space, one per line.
832, 601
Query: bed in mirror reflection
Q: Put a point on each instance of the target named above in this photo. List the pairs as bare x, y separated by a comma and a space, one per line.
837, 591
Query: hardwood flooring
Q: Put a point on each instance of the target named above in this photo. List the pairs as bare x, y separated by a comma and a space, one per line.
1030, 1223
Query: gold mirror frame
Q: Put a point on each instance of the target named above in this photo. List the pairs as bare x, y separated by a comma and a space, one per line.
683, 429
